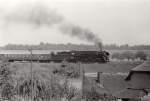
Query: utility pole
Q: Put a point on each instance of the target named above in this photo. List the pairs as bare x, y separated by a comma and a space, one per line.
31, 70
83, 80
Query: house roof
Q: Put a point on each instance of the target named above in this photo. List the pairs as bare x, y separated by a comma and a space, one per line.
144, 67
130, 94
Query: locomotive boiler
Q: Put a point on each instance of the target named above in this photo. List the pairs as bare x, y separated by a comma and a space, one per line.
70, 56
83, 56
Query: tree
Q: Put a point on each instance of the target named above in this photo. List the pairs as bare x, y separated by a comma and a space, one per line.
141, 55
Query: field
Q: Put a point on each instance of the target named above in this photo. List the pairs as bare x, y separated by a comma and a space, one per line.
120, 51
110, 67
112, 78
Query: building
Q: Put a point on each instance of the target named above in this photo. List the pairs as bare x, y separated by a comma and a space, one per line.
139, 81
139, 77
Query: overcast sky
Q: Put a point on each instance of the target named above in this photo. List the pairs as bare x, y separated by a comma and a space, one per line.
112, 21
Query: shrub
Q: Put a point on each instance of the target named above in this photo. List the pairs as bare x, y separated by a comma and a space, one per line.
6, 81
45, 89
141, 55
68, 70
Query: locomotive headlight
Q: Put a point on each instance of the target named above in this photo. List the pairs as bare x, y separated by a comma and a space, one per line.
72, 53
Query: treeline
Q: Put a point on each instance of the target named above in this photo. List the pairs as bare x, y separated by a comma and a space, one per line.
128, 55
48, 46
70, 46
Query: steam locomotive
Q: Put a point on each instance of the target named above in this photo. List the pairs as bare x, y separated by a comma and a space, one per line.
83, 56
69, 56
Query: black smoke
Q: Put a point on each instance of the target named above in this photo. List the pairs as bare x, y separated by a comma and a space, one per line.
39, 14
81, 33
33, 14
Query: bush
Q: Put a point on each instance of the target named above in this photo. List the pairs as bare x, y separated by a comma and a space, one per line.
45, 89
141, 55
68, 70
93, 95
6, 81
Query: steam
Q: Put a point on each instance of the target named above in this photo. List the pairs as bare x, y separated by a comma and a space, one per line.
39, 15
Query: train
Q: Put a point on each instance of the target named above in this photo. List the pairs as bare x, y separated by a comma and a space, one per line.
69, 56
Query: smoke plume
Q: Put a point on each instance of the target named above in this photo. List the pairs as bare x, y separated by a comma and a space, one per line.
81, 33
39, 14
77, 31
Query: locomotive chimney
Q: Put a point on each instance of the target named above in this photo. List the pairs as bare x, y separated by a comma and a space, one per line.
99, 78
100, 46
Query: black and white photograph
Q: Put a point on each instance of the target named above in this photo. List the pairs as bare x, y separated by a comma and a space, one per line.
74, 50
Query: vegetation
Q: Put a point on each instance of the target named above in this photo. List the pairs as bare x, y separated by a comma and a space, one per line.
48, 86
94, 96
68, 70
6, 82
45, 89
130, 55
69, 46
44, 86
141, 55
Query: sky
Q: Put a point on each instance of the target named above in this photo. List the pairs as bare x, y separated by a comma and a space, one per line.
109, 21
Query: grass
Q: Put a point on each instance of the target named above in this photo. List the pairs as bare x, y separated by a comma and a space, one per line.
110, 67
112, 83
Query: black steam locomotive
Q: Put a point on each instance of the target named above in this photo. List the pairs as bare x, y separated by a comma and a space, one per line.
83, 56
70, 56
